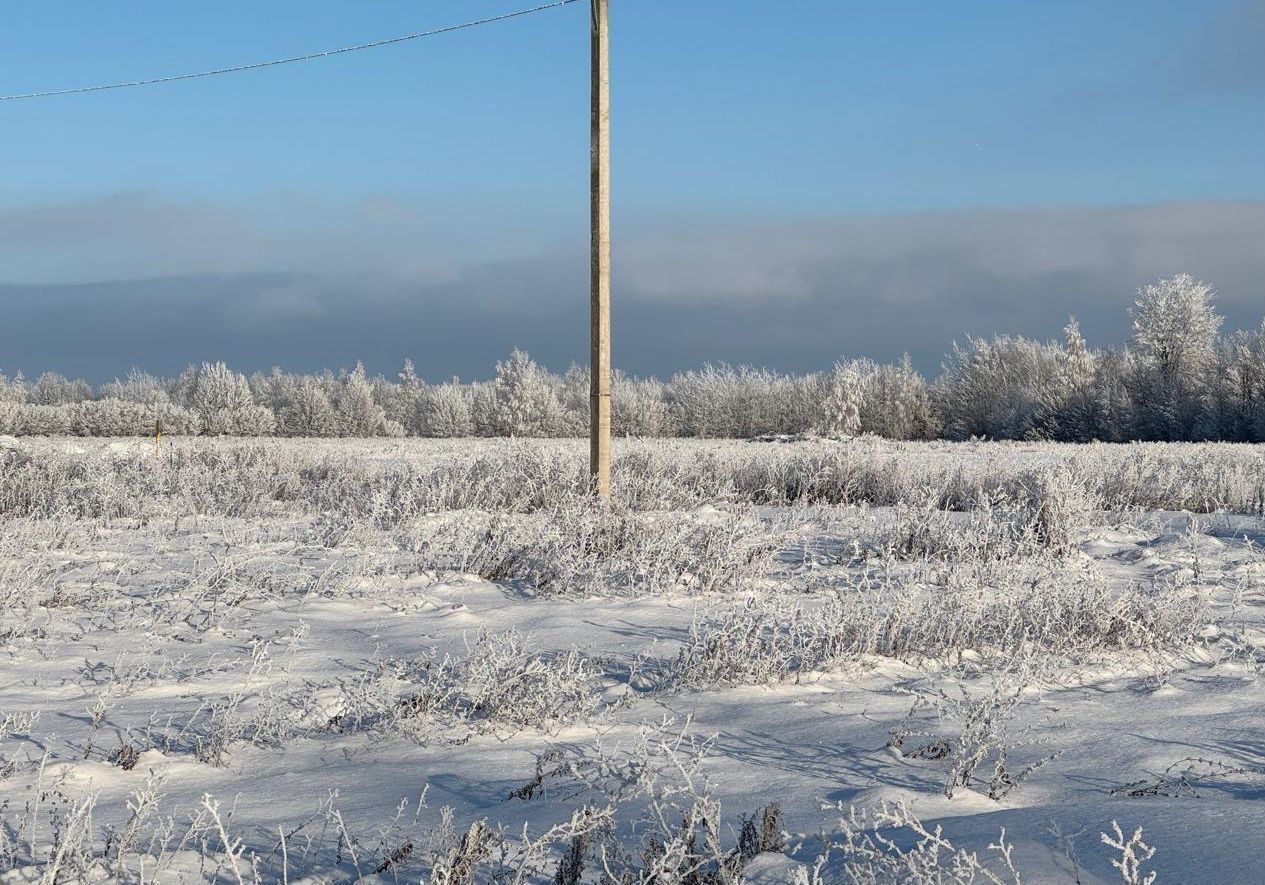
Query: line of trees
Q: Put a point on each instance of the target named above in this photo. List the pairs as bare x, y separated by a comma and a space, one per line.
1178, 379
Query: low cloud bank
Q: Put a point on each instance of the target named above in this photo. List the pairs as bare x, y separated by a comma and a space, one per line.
95, 288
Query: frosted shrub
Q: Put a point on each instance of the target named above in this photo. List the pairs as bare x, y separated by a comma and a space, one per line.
499, 686
889, 845
764, 639
529, 475
1134, 855
584, 550
1034, 607
1058, 506
255, 711
14, 727
652, 787
122, 417
29, 419
970, 734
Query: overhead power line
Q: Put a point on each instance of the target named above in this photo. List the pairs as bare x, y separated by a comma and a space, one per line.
294, 58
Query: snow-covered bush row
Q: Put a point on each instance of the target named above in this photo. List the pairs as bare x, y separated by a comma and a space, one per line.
1030, 606
585, 550
1046, 487
1178, 379
104, 417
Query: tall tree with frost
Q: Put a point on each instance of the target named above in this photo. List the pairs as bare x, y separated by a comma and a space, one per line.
1175, 337
1175, 326
12, 391
525, 401
842, 408
307, 410
640, 407
139, 387
223, 402
1069, 412
52, 389
1246, 384
999, 387
443, 411
358, 413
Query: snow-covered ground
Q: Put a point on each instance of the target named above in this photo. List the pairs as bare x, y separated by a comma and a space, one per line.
412, 661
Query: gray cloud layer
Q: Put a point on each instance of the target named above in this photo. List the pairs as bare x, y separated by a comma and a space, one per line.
95, 288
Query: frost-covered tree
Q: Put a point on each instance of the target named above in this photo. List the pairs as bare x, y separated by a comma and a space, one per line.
400, 401
639, 407
223, 402
1069, 410
1175, 338
358, 413
521, 401
897, 403
139, 387
1245, 385
861, 396
841, 411
1110, 416
1175, 325
998, 387
307, 410
573, 396
443, 411
12, 390
700, 404
724, 401
1078, 359
52, 389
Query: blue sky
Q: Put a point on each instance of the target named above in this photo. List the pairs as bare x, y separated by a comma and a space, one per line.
444, 159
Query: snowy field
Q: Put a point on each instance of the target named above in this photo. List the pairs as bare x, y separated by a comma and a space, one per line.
768, 662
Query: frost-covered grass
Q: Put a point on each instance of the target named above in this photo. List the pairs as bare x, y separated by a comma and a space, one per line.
811, 662
390, 482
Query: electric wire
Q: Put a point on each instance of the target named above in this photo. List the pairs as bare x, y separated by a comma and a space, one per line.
291, 59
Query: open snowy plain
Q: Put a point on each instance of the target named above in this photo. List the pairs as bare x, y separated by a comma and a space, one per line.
808, 662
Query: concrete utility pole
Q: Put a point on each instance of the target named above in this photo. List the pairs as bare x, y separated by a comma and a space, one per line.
600, 333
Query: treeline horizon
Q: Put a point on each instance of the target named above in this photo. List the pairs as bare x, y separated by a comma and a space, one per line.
1177, 378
